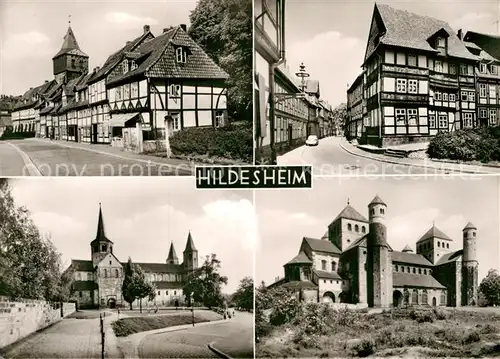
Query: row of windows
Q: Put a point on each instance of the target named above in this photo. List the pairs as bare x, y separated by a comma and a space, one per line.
422, 297
414, 270
331, 281
282, 130
485, 89
324, 265
443, 96
166, 292
493, 69
407, 86
428, 245
356, 228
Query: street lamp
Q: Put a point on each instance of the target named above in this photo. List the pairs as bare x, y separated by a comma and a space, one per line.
302, 74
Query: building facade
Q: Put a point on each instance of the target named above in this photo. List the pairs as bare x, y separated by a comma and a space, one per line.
98, 282
421, 78
354, 263
150, 88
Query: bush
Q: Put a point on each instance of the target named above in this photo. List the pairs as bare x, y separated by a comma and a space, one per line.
9, 135
481, 144
364, 348
233, 142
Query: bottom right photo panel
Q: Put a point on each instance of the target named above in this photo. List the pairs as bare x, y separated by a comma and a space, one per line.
379, 266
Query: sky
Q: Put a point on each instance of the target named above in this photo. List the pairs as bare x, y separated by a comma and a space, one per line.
142, 216
330, 36
285, 217
32, 32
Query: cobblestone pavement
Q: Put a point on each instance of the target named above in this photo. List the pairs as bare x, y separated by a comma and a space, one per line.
61, 158
234, 335
69, 338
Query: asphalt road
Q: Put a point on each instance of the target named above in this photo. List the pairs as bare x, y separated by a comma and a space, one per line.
35, 157
234, 337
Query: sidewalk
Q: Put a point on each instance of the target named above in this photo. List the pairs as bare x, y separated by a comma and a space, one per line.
106, 149
427, 163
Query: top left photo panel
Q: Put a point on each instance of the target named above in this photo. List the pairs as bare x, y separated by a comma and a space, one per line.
124, 88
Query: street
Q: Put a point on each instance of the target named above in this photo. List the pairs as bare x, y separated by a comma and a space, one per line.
233, 337
35, 157
335, 156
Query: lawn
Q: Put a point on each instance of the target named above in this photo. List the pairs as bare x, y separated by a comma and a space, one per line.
412, 332
132, 325
88, 314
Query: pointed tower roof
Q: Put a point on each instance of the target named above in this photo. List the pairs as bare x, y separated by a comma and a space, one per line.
171, 253
377, 200
70, 45
101, 235
407, 249
469, 226
434, 232
350, 213
190, 244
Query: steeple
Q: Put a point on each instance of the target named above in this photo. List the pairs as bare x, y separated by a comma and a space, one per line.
172, 256
69, 44
190, 244
101, 245
190, 254
70, 62
101, 235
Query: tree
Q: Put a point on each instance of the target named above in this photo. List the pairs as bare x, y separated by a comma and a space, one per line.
490, 287
243, 297
30, 265
135, 285
339, 117
204, 284
223, 28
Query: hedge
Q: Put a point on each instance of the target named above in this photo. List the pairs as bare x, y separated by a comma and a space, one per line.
479, 144
16, 135
234, 142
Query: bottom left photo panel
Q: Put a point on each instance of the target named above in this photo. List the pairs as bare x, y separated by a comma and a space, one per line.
125, 268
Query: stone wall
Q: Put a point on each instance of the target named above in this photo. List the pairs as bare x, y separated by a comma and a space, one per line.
18, 319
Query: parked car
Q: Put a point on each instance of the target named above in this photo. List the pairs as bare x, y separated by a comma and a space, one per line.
312, 140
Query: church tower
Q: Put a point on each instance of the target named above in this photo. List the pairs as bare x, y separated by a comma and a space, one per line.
469, 266
101, 245
379, 264
172, 256
70, 62
190, 254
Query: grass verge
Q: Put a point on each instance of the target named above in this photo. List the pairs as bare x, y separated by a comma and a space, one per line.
127, 326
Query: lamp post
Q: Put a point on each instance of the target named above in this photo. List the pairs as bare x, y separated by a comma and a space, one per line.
302, 74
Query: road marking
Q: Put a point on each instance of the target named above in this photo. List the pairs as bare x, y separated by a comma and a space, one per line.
28, 164
191, 172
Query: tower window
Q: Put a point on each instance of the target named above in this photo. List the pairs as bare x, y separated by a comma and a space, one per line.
363, 229
158, 292
104, 248
334, 266
382, 211
349, 227
117, 273
356, 228
105, 273
425, 271
447, 245
396, 267
73, 63
473, 234
175, 292
439, 244
80, 294
323, 265
373, 211
420, 271
402, 269
414, 270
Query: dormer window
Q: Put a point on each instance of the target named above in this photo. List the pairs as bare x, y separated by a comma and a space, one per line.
494, 69
180, 55
440, 42
125, 66
482, 68
133, 65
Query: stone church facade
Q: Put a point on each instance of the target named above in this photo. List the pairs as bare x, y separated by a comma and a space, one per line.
354, 263
98, 281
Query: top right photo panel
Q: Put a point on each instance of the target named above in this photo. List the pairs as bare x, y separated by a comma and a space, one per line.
378, 88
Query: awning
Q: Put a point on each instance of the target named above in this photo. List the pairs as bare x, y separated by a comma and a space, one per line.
120, 119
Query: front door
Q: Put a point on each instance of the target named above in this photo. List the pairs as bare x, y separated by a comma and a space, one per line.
94, 133
112, 303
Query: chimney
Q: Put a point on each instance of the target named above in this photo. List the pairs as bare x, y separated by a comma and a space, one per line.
460, 34
183, 27
146, 28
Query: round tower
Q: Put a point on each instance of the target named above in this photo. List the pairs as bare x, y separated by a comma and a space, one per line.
469, 266
379, 264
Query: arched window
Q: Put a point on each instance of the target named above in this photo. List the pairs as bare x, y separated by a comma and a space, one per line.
420, 271
323, 265
447, 245
363, 229
356, 228
349, 227
424, 297
473, 234
414, 270
439, 244
382, 211
443, 298
334, 266
414, 297
117, 273
425, 271
402, 269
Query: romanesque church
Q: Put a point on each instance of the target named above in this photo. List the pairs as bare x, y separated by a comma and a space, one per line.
354, 263
98, 281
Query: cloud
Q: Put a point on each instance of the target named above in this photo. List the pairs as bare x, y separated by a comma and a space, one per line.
25, 45
472, 20
128, 20
330, 67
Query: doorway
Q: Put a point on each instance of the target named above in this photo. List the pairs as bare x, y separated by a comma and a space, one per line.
94, 133
111, 303
397, 298
434, 301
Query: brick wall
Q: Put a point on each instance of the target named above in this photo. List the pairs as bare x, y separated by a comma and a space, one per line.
19, 319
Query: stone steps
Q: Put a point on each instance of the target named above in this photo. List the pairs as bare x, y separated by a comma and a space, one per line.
396, 153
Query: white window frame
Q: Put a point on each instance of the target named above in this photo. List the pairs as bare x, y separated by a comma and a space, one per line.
482, 90
414, 57
468, 118
464, 96
412, 114
492, 91
432, 121
180, 55
443, 119
438, 96
176, 121
445, 96
124, 66
219, 118
118, 93
413, 86
483, 113
472, 96
452, 97
438, 66
401, 85
494, 70
400, 112
175, 90
452, 69
493, 117
482, 68
463, 69
133, 65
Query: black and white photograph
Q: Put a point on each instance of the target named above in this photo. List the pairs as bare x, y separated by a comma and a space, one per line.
379, 267
385, 87
128, 88
125, 268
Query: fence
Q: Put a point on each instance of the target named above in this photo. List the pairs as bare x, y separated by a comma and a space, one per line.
20, 318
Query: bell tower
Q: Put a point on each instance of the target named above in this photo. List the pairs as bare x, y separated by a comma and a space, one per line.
469, 266
70, 62
101, 245
190, 255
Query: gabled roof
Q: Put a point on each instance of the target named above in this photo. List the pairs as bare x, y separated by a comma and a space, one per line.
83, 285
321, 245
312, 87
450, 257
158, 59
409, 258
407, 249
350, 213
327, 275
434, 232
415, 280
305, 284
70, 45
81, 265
362, 241
159, 267
300, 258
409, 30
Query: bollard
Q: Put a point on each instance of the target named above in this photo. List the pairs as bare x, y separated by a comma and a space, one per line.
102, 345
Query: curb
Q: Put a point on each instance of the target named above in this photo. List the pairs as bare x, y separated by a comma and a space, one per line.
217, 351
410, 164
28, 163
